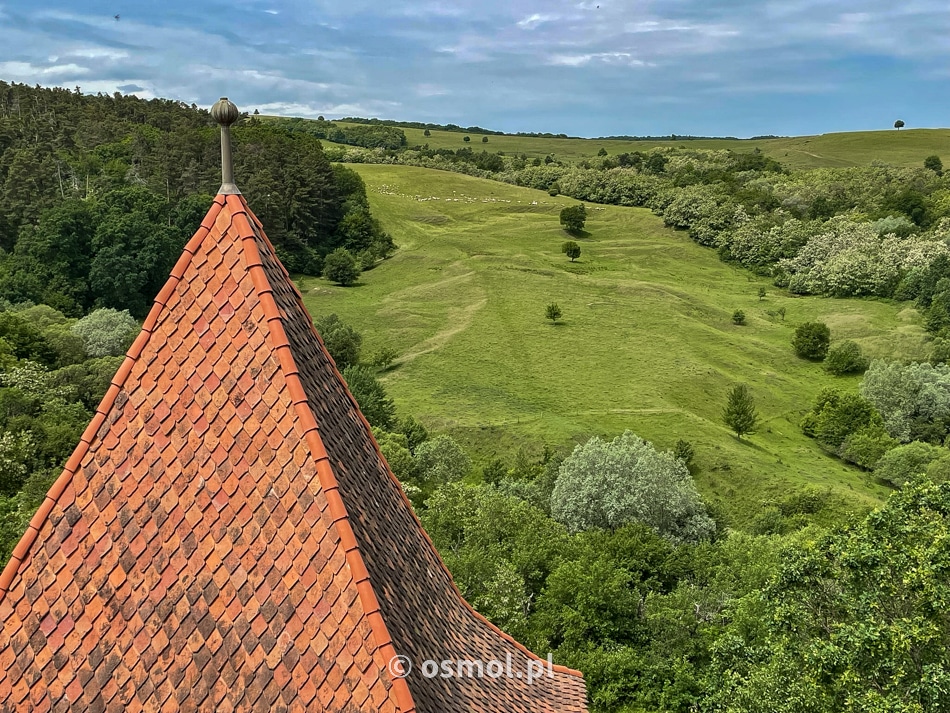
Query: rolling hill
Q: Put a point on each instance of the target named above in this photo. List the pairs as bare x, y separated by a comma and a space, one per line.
647, 341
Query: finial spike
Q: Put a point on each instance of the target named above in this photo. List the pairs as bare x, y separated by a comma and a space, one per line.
226, 113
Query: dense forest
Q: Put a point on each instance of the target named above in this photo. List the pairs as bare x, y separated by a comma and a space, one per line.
621, 571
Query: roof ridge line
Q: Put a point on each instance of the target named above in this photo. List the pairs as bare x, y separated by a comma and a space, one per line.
521, 647
55, 492
311, 434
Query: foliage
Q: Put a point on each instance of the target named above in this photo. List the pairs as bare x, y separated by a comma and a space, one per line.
340, 267
856, 620
574, 217
611, 484
740, 414
837, 415
571, 249
106, 332
866, 446
438, 461
913, 399
899, 124
341, 340
369, 393
934, 163
395, 449
811, 340
553, 312
684, 451
738, 317
846, 358
907, 462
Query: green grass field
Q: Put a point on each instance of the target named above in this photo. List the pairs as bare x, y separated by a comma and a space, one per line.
907, 147
646, 343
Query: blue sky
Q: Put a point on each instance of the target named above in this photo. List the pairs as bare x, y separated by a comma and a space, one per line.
588, 68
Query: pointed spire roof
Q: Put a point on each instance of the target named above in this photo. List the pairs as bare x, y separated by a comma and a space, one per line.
227, 535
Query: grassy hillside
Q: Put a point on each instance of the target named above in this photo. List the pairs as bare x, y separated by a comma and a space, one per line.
902, 148
646, 343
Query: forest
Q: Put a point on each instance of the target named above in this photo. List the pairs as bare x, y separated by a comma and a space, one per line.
662, 602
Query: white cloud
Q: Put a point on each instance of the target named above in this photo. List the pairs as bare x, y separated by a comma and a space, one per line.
580, 60
33, 74
532, 21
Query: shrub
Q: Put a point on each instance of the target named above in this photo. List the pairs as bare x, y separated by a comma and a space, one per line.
610, 484
341, 340
846, 358
907, 462
340, 267
865, 447
553, 312
738, 317
375, 405
811, 340
440, 460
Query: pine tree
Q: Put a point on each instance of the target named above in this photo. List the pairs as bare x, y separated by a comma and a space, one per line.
740, 414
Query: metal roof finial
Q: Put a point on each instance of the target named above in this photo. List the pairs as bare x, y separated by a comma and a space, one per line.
226, 113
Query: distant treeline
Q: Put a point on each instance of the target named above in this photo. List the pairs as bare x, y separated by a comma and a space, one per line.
98, 194
370, 136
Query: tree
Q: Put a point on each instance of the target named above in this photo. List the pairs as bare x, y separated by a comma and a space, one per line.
899, 124
427, 133
906, 462
738, 317
484, 139
571, 249
440, 460
761, 293
573, 218
611, 484
553, 312
836, 416
369, 393
934, 164
106, 332
341, 340
466, 139
811, 340
602, 152
846, 358
340, 267
740, 414
913, 399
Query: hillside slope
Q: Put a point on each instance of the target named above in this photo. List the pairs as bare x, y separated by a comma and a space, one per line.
647, 340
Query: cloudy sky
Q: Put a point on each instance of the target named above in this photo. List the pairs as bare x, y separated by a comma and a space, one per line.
588, 68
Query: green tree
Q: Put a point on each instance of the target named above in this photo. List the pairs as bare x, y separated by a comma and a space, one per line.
340, 267
906, 462
553, 312
934, 164
846, 358
484, 139
740, 414
611, 484
738, 317
837, 415
913, 399
602, 152
574, 217
440, 460
106, 332
369, 393
427, 133
899, 124
811, 340
571, 249
341, 340
466, 139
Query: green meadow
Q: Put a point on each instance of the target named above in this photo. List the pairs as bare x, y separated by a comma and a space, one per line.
646, 342
908, 147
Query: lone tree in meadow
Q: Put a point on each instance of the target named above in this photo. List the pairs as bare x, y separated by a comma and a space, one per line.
811, 340
571, 249
553, 312
573, 218
740, 414
466, 139
427, 133
340, 267
484, 139
899, 124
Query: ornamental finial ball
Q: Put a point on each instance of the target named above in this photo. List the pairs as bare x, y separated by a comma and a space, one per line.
225, 112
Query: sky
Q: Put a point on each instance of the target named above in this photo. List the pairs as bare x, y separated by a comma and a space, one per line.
586, 68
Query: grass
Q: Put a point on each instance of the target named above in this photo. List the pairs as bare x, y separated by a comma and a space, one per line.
902, 148
646, 342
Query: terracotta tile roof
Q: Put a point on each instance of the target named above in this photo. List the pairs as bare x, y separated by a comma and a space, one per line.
227, 536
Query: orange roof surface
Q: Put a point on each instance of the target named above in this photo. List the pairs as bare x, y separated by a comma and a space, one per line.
227, 536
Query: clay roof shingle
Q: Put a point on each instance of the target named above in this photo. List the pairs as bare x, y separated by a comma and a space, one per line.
227, 536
